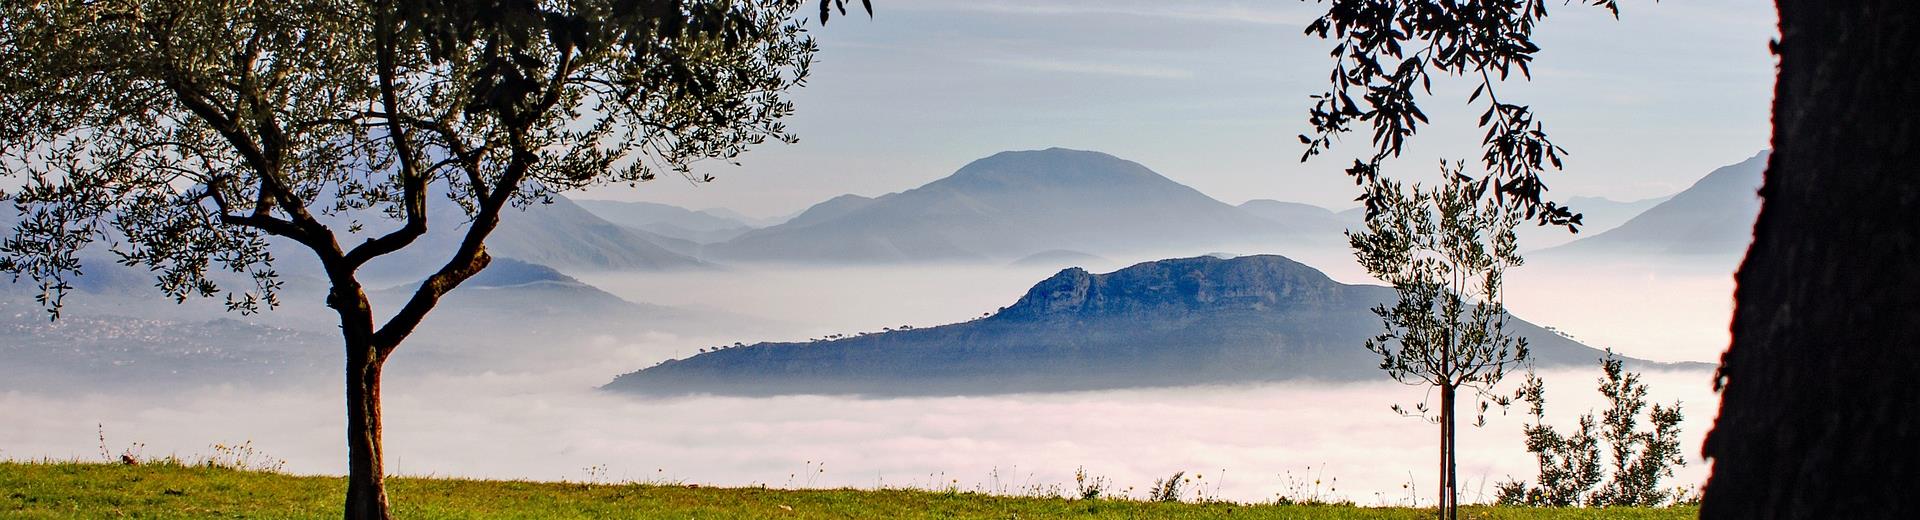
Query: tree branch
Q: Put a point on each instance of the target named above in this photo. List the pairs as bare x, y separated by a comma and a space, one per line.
413, 182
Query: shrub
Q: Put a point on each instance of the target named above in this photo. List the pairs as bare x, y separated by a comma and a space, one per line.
1570, 464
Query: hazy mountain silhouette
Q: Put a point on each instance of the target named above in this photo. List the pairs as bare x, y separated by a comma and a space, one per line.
561, 234
566, 236
1062, 258
1713, 218
1175, 322
833, 208
1306, 219
667, 220
749, 220
120, 331
1598, 215
523, 301
1008, 206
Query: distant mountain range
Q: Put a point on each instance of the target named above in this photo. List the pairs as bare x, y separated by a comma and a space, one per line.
1022, 207
568, 237
702, 227
517, 302
122, 332
1189, 321
1713, 218
1306, 219
1009, 206
560, 234
1597, 215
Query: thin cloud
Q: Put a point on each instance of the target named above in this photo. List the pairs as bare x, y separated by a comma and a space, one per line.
1103, 69
1215, 13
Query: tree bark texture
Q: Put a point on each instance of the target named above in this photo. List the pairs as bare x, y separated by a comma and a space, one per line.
1820, 406
366, 474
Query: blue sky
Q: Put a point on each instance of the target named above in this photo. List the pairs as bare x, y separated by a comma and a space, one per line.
1212, 93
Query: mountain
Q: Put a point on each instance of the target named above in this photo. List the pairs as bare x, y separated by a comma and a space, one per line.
1189, 321
667, 220
1597, 215
1061, 258
743, 218
512, 316
1713, 218
519, 303
1601, 213
566, 236
833, 208
1008, 206
560, 234
1306, 218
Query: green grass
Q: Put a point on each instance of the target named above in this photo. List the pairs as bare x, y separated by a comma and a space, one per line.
83, 490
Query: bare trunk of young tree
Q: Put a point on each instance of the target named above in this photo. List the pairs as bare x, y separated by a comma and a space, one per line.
1449, 492
1816, 416
1440, 483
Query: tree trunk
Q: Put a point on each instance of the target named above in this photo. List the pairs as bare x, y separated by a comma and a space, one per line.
366, 475
1817, 412
1449, 494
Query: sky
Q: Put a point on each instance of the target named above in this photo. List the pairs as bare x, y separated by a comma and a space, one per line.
1212, 93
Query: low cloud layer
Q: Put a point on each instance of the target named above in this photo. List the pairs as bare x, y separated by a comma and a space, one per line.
1249, 440
548, 421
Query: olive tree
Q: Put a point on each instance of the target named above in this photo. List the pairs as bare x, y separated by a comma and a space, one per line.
1444, 251
182, 133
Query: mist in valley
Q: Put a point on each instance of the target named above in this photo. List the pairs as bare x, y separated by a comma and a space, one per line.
526, 405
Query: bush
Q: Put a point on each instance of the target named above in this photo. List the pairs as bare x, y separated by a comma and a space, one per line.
1570, 464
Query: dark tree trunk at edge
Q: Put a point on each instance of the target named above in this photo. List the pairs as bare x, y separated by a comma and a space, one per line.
1820, 408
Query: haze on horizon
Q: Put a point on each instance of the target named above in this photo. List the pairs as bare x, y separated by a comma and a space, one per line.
1212, 94
530, 410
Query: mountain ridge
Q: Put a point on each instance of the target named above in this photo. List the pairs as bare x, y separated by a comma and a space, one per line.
1201, 320
1007, 206
1713, 217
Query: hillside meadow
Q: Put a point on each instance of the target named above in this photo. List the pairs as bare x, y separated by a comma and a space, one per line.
172, 490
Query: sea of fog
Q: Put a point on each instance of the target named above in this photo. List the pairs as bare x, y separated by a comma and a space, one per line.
1247, 443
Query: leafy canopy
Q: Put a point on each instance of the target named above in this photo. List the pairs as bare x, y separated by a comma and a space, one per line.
1386, 54
1444, 251
181, 132
1570, 465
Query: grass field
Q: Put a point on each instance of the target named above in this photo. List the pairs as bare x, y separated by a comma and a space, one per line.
89, 490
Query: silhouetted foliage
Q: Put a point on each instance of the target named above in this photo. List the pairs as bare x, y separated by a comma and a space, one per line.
1444, 251
1167, 489
1386, 54
1570, 465
1640, 458
182, 133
